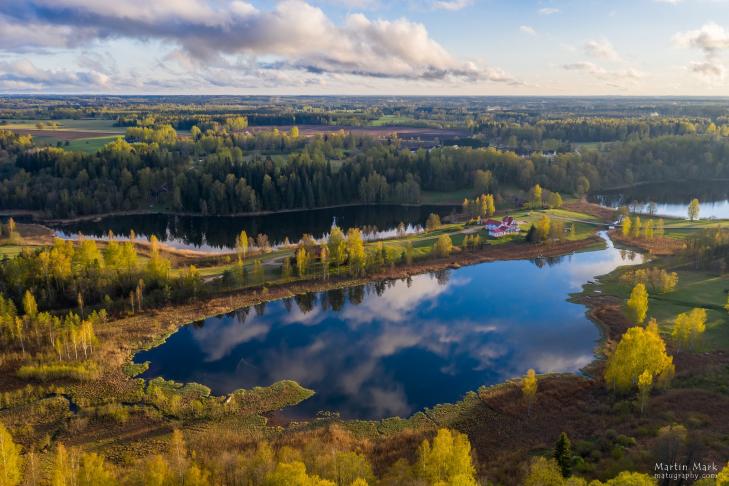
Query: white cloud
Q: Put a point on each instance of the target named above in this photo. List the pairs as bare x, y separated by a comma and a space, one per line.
24, 74
586, 66
548, 11
293, 36
452, 4
710, 39
526, 29
614, 77
601, 49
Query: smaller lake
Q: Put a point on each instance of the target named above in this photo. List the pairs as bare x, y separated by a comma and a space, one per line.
213, 233
671, 198
393, 348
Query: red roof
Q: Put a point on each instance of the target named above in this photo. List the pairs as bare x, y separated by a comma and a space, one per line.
492, 222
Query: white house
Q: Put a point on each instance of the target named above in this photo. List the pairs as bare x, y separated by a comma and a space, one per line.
506, 226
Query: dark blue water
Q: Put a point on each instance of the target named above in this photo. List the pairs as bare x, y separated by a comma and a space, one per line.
394, 348
219, 232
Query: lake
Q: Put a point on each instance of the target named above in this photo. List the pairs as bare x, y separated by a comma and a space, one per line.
671, 198
393, 348
213, 233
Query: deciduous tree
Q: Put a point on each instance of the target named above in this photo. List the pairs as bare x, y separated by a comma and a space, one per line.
694, 209
443, 246
640, 349
637, 304
10, 461
447, 460
529, 389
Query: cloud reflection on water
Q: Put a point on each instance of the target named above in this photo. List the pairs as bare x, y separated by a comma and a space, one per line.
396, 347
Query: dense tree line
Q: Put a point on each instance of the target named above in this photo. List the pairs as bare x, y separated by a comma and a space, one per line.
222, 171
534, 132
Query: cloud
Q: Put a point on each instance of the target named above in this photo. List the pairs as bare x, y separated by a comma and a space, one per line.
709, 69
601, 49
586, 66
23, 74
452, 5
294, 34
710, 39
527, 30
548, 11
616, 78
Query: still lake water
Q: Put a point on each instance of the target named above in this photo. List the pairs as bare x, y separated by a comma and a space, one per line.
391, 349
671, 198
218, 233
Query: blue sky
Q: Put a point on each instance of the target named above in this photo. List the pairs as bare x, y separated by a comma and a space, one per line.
419, 47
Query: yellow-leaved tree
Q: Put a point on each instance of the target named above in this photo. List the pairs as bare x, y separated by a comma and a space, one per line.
637, 305
529, 389
627, 226
722, 479
10, 461
639, 350
689, 326
356, 251
443, 246
293, 473
447, 460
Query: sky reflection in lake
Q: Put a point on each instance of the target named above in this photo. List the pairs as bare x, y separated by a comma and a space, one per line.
671, 198
393, 348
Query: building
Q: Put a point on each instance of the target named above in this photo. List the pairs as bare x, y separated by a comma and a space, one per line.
506, 226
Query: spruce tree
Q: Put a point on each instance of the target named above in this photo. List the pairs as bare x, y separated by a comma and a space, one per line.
563, 454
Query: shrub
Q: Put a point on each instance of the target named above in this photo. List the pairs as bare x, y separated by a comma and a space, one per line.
57, 371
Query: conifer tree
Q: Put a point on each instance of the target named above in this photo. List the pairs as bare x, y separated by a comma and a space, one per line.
563, 454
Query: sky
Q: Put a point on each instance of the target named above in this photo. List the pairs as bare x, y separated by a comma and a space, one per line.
368, 47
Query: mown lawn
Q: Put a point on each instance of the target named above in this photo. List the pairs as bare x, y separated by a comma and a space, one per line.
695, 289
88, 145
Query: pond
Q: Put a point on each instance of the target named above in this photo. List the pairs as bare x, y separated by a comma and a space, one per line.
671, 198
213, 233
393, 348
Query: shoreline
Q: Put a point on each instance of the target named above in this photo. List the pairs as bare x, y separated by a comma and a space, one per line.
667, 181
39, 219
228, 301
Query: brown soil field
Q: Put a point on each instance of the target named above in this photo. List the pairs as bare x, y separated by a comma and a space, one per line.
592, 209
657, 246
64, 134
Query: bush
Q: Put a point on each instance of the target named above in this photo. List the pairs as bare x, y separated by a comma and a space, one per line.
114, 411
46, 372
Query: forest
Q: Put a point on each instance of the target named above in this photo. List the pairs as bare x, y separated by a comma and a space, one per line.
226, 170
515, 176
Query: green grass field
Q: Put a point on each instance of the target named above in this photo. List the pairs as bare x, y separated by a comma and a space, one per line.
695, 289
10, 250
598, 146
386, 120
88, 145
